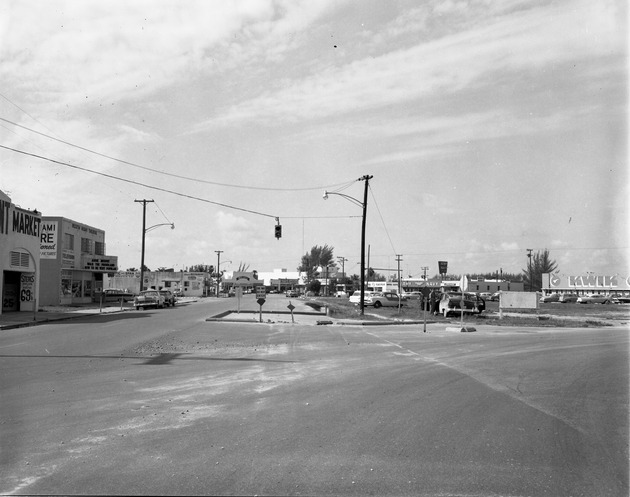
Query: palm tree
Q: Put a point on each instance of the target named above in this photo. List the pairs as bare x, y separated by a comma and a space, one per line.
318, 256
539, 263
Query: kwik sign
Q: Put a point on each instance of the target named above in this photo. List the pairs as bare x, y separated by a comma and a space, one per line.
589, 281
593, 281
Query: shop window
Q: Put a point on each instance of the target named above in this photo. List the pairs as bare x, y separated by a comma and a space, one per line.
87, 246
77, 288
99, 248
167, 284
66, 287
68, 241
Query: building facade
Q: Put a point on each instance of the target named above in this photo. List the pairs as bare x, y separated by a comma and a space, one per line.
73, 262
185, 283
19, 256
472, 285
583, 284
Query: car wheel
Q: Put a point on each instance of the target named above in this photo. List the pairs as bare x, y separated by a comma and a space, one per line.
140, 308
377, 304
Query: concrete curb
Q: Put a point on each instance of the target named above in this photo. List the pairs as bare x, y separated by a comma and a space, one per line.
69, 316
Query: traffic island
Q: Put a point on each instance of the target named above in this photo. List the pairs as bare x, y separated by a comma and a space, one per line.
462, 329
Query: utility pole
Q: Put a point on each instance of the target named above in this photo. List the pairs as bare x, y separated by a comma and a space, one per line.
343, 270
529, 267
398, 260
367, 179
144, 230
218, 252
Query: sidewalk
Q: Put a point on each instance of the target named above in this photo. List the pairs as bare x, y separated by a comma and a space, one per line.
11, 320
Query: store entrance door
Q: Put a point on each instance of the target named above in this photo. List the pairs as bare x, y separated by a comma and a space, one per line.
11, 291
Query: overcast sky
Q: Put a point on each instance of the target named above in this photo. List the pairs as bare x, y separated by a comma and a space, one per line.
490, 127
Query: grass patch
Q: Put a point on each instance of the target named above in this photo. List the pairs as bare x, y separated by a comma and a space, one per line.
561, 316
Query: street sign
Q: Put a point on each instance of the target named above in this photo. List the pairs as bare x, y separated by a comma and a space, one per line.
291, 307
260, 301
260, 292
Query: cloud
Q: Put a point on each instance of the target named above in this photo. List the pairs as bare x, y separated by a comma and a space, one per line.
124, 49
137, 135
524, 41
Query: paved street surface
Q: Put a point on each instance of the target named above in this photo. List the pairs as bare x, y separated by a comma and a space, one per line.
165, 402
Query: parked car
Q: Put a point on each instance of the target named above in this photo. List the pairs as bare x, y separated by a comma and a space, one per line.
568, 297
452, 302
412, 295
552, 297
384, 299
620, 298
594, 299
169, 298
292, 293
494, 297
340, 294
148, 298
115, 294
355, 298
485, 295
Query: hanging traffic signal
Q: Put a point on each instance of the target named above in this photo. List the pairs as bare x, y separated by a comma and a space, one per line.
278, 229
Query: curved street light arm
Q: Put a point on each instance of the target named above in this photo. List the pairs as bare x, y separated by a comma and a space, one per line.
172, 225
348, 197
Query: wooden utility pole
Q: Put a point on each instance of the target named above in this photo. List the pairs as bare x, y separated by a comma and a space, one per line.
144, 230
367, 179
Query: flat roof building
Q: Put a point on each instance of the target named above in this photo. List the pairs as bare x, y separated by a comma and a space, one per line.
19, 256
73, 261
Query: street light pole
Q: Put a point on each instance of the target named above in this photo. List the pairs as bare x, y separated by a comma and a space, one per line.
218, 252
363, 204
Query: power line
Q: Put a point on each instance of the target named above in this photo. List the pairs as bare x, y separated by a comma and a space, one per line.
137, 182
382, 220
196, 180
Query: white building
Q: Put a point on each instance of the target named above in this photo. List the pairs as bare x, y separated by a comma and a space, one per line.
188, 284
20, 231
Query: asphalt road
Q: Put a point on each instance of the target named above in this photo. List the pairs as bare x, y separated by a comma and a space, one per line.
163, 402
